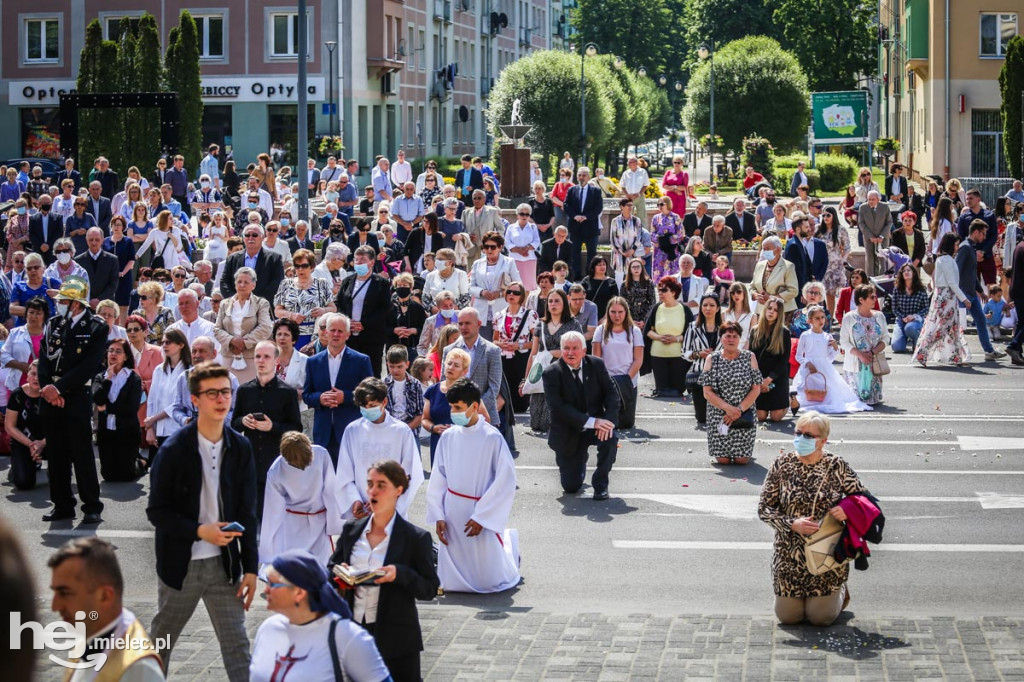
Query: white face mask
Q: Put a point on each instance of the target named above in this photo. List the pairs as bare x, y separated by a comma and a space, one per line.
62, 309
441, 264
767, 255
63, 258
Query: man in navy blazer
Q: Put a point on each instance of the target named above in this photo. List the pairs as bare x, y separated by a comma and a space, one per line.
583, 206
98, 205
331, 377
808, 254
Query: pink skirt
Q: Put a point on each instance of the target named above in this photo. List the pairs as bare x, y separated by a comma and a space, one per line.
528, 273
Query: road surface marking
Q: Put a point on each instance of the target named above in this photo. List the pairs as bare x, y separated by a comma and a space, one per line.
766, 546
969, 443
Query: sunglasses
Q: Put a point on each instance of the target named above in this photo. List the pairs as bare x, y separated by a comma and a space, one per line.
272, 229
301, 266
61, 251
431, 180
133, 330
33, 267
514, 292
662, 290
252, 235
383, 211
143, 298
491, 247
523, 215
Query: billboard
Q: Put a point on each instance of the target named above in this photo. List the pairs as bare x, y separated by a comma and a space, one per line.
840, 117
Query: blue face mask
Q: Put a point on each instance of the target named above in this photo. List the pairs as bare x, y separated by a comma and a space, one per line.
362, 269
285, 221
371, 413
22, 210
804, 445
252, 206
460, 418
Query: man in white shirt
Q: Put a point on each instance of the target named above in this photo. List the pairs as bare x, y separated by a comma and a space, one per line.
634, 182
401, 171
407, 210
190, 324
266, 202
86, 578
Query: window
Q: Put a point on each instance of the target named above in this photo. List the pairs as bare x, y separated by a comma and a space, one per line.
996, 31
284, 34
114, 26
42, 40
211, 36
420, 47
282, 128
987, 157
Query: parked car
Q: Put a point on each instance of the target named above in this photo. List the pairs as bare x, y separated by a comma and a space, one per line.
49, 166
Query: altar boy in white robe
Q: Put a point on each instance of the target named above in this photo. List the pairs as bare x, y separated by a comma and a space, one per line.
469, 499
300, 506
376, 436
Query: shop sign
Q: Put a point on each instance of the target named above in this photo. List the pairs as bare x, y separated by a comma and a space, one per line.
221, 88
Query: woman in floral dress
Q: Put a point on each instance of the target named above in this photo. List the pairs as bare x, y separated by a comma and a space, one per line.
732, 383
942, 337
666, 230
863, 335
798, 491
17, 232
837, 244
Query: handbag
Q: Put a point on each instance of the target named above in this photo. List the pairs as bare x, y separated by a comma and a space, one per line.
816, 395
819, 548
534, 382
693, 377
159, 261
667, 246
879, 365
746, 419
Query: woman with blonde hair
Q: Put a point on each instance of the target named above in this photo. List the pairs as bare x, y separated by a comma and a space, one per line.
165, 241
158, 317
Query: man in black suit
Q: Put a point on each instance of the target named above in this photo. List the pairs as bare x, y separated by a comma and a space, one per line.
301, 240
267, 264
366, 299
99, 206
69, 173
45, 228
468, 178
102, 267
807, 254
107, 179
742, 222
583, 206
555, 249
583, 403
203, 478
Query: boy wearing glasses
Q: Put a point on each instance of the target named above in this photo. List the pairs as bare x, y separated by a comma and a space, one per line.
203, 478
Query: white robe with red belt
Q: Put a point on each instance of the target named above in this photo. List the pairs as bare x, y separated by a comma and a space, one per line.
474, 478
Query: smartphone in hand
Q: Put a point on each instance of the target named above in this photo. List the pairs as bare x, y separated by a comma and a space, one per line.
233, 527
259, 416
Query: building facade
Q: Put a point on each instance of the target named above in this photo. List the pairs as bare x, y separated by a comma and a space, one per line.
415, 74
941, 91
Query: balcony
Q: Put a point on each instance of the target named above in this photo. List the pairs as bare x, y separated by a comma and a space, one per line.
443, 11
525, 36
382, 55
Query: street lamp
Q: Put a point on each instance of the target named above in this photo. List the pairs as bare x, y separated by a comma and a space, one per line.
707, 51
589, 50
618, 63
330, 45
642, 72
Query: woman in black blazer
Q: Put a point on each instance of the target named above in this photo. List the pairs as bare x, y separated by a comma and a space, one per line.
363, 237
408, 571
117, 393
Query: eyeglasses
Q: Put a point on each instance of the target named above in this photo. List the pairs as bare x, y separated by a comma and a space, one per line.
179, 276
133, 330
272, 229
33, 267
491, 247
301, 266
213, 394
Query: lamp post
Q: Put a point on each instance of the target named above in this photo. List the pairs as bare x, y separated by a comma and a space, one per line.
707, 51
589, 50
330, 45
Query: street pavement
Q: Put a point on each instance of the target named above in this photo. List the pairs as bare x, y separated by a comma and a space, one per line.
670, 578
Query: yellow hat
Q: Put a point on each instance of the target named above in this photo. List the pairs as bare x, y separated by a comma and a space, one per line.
74, 288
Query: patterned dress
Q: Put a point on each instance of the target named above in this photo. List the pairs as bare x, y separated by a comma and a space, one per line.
795, 490
835, 274
641, 297
867, 332
731, 380
296, 300
17, 238
942, 338
164, 319
672, 226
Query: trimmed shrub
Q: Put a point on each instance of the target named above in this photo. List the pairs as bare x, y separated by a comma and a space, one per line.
759, 153
791, 160
837, 171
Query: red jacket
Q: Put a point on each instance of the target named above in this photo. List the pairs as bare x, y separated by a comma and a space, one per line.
843, 305
864, 523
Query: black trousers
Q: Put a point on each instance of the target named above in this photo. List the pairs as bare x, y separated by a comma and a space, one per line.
402, 668
371, 346
69, 444
515, 371
572, 466
700, 405
119, 453
1018, 332
669, 374
627, 401
579, 265
23, 467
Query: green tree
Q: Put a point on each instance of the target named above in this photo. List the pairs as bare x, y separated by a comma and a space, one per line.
724, 21
641, 32
660, 116
96, 74
536, 81
148, 76
758, 87
127, 118
832, 39
182, 74
1011, 87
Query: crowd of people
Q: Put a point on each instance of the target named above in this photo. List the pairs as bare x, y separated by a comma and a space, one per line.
275, 374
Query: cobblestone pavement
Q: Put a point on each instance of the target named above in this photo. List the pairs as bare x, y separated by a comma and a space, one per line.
465, 643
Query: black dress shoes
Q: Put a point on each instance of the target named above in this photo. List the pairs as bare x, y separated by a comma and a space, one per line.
91, 518
58, 516
600, 495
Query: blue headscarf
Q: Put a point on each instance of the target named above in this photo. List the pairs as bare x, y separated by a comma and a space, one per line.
302, 569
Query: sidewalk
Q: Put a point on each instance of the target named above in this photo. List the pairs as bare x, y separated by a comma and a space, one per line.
464, 643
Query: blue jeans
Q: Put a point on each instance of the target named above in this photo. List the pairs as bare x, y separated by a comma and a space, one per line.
980, 323
905, 334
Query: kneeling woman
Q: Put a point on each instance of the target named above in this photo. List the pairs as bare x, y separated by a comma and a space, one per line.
386, 541
801, 487
117, 393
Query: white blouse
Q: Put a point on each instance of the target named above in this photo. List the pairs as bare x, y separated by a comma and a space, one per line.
457, 283
162, 393
516, 237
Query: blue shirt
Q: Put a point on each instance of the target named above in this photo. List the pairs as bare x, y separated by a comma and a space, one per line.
9, 192
250, 261
75, 223
178, 180
381, 184
208, 166
407, 209
994, 312
347, 194
174, 206
22, 293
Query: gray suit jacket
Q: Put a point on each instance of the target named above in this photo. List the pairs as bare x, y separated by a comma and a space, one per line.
484, 371
875, 223
488, 221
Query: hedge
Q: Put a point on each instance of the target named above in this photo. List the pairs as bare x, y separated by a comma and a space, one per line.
837, 171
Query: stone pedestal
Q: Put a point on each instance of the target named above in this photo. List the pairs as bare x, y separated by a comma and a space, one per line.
515, 171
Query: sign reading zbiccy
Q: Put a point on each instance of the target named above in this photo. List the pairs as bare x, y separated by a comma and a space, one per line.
220, 88
840, 117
